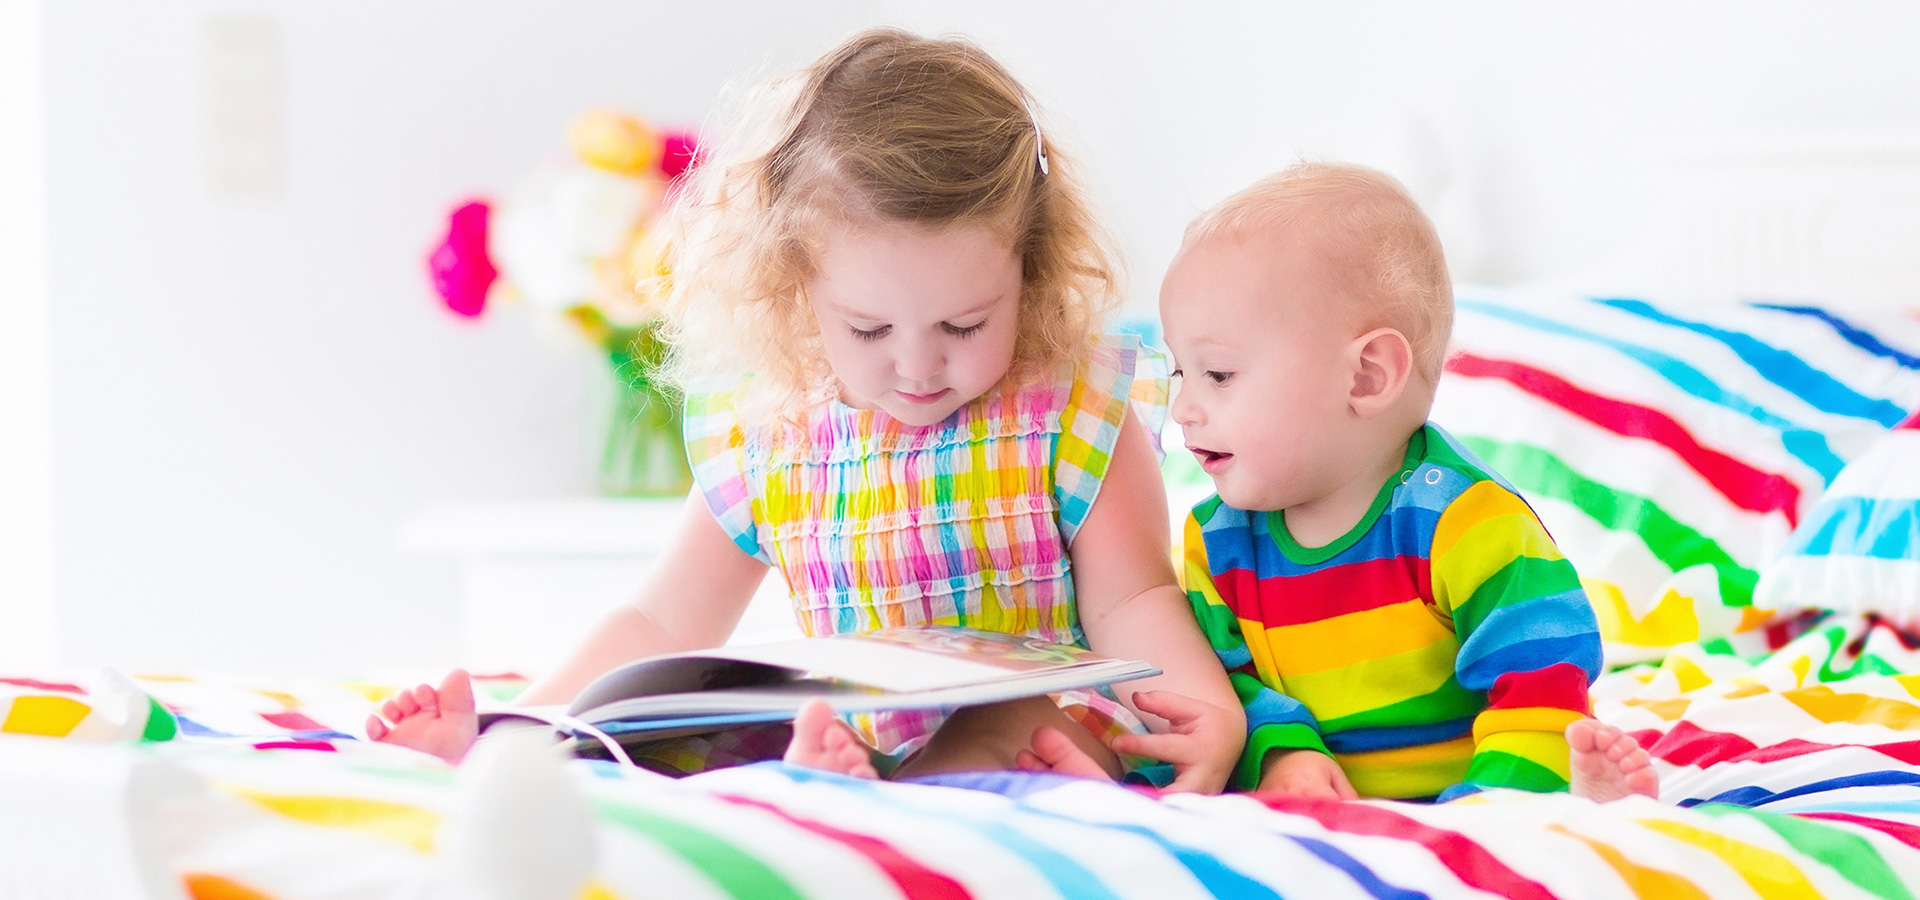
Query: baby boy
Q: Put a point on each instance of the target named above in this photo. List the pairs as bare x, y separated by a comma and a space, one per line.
1395, 619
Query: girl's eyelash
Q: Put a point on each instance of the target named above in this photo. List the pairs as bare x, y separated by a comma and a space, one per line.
883, 331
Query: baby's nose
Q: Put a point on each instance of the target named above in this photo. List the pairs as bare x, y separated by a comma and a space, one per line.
1184, 410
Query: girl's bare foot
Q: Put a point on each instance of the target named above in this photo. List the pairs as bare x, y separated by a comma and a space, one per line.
1607, 764
1055, 752
442, 722
822, 741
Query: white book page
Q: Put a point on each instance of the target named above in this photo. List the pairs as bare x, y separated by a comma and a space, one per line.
890, 667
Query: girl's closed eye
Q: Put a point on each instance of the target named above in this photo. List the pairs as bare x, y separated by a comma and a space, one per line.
871, 335
967, 332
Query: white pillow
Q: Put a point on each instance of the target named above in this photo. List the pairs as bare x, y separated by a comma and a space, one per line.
1859, 550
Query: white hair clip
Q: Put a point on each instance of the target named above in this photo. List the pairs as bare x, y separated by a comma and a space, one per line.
1039, 140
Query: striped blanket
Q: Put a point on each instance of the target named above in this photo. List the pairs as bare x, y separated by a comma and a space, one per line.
1671, 449
1793, 776
1670, 454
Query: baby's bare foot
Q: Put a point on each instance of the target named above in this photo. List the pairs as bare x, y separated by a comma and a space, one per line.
1607, 764
442, 722
1055, 752
822, 741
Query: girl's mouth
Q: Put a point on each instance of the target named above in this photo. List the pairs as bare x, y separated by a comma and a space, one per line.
924, 399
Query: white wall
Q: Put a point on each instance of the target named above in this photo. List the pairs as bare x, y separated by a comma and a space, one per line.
248, 400
26, 460
1544, 115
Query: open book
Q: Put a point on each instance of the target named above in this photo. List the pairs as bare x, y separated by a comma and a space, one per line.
913, 667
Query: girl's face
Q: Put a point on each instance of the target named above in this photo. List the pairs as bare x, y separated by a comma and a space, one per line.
917, 320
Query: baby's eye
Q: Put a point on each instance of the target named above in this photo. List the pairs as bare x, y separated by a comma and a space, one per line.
1220, 377
873, 335
966, 332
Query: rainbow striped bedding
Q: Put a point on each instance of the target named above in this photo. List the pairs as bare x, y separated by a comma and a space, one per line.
1671, 453
1796, 775
1859, 550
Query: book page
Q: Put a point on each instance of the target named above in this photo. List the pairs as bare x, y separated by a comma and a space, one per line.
676, 674
915, 658
886, 665
780, 702
959, 665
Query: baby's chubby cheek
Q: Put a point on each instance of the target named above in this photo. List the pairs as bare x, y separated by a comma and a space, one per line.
1257, 482
1237, 490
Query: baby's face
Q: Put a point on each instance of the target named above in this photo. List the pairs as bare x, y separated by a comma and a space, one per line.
917, 321
1254, 328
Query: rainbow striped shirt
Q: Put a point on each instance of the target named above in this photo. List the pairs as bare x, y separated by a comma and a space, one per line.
1440, 647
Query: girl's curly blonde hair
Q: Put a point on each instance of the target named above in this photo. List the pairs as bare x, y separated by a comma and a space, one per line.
888, 127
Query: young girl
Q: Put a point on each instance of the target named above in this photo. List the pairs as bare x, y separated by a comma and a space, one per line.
932, 432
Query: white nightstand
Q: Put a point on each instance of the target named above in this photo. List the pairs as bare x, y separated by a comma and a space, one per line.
536, 575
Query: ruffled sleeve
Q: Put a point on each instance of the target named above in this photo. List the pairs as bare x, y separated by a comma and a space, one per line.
1117, 371
1152, 392
716, 451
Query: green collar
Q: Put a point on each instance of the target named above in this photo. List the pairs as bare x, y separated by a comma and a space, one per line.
1308, 556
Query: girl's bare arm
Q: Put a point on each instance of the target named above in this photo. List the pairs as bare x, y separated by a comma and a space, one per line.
691, 599
1131, 606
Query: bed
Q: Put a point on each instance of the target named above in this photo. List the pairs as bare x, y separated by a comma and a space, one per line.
1808, 791
1730, 478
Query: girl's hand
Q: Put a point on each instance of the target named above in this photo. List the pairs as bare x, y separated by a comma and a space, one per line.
441, 722
1203, 741
1306, 773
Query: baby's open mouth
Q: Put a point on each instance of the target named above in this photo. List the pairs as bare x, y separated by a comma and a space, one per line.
1210, 459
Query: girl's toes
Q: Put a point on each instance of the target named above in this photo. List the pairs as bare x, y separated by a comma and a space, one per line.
854, 761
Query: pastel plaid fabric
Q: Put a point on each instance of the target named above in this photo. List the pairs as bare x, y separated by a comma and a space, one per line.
875, 523
966, 522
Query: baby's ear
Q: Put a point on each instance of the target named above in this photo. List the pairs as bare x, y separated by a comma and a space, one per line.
1382, 362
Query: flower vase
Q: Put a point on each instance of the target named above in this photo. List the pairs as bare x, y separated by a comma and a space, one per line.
644, 454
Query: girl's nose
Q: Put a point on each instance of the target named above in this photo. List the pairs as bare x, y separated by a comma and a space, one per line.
919, 363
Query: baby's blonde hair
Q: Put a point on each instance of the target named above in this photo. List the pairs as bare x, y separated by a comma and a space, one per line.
888, 127
1367, 226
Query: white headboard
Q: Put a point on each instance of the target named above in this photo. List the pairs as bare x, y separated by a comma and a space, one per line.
1834, 218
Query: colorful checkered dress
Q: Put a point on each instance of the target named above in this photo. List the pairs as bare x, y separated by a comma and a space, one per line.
966, 522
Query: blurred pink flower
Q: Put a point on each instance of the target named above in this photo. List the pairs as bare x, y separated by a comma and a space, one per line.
679, 151
462, 273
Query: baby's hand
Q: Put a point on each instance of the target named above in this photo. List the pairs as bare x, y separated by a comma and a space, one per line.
441, 722
1203, 743
1306, 773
